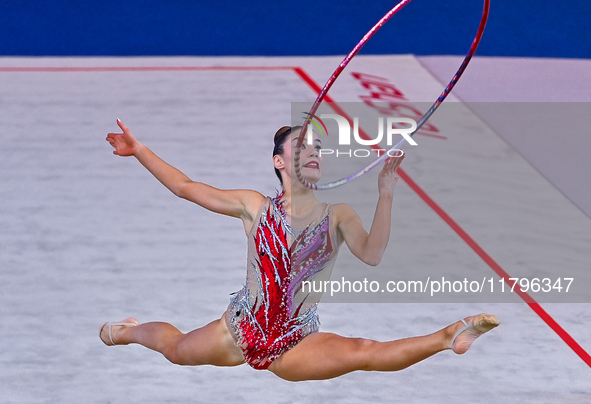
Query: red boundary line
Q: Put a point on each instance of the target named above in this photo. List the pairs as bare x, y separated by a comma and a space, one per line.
535, 306
140, 68
570, 341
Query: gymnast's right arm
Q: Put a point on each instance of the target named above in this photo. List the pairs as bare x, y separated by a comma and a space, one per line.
242, 204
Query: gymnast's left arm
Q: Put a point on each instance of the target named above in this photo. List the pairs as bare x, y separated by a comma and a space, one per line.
370, 247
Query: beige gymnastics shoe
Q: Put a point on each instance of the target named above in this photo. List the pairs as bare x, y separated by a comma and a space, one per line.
128, 322
472, 329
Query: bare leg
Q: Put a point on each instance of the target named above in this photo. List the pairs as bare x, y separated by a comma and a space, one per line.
209, 345
323, 355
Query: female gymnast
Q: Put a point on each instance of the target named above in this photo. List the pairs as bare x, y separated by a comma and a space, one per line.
272, 323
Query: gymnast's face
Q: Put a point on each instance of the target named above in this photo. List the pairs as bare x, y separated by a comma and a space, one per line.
310, 158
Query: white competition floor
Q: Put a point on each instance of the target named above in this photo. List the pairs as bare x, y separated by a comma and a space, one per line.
88, 237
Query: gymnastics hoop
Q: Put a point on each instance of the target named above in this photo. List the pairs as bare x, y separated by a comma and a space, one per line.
421, 121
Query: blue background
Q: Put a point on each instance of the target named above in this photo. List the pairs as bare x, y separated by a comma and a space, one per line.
544, 28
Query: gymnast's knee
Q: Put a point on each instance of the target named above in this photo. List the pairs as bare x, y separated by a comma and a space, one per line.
362, 352
170, 352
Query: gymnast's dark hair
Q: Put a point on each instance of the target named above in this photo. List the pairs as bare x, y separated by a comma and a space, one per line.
280, 136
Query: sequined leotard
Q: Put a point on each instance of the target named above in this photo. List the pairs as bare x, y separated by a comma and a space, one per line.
272, 313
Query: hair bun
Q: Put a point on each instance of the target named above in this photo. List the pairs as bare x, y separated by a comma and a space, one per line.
280, 132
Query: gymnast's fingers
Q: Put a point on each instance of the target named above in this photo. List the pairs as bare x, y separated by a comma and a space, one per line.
392, 163
124, 128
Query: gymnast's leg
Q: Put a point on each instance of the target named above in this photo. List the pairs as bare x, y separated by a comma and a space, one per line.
324, 355
209, 345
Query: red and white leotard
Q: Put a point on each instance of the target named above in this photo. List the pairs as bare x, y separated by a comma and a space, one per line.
272, 313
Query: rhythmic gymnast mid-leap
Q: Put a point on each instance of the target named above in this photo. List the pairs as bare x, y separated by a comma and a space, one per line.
271, 323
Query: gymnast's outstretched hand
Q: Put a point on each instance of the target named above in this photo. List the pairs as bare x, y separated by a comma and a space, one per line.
124, 143
387, 178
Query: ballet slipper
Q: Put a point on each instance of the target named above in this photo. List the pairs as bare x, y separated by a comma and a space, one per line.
129, 322
465, 336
